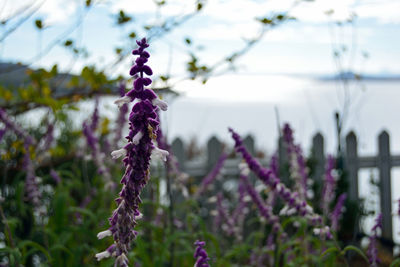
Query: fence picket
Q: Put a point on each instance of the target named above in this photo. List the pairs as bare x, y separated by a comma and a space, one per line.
384, 166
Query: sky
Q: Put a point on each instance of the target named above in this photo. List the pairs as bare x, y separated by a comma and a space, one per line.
304, 46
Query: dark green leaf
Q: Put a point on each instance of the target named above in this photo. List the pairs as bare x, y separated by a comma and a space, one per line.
68, 42
132, 35
39, 24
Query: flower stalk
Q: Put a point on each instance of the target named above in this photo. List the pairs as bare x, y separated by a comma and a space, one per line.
143, 125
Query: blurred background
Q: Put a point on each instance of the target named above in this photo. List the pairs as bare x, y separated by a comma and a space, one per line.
326, 67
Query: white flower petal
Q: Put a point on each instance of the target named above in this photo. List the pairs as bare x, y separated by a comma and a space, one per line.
103, 234
161, 104
137, 138
102, 255
163, 154
122, 100
118, 153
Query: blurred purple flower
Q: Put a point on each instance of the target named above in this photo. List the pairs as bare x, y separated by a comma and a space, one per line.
228, 224
297, 162
265, 211
372, 250
292, 199
200, 255
97, 155
31, 182
14, 127
337, 212
55, 176
212, 175
143, 125
328, 191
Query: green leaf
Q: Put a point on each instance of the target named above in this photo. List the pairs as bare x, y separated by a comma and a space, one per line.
123, 18
68, 42
132, 35
329, 250
356, 249
39, 24
395, 263
265, 21
36, 246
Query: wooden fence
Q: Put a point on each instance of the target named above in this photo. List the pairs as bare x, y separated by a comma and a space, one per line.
383, 161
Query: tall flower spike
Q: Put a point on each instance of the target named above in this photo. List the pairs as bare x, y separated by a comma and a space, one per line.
297, 162
212, 175
143, 125
328, 191
337, 212
268, 178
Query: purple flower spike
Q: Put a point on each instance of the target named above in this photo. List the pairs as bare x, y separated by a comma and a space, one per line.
229, 225
328, 191
337, 212
372, 251
55, 176
292, 199
201, 255
143, 126
31, 183
265, 211
297, 162
14, 127
212, 175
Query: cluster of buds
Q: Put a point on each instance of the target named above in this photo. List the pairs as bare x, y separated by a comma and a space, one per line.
143, 125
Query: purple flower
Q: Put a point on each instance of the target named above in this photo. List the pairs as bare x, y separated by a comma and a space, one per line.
31, 182
201, 255
337, 212
212, 175
55, 176
265, 211
328, 191
372, 251
143, 125
292, 199
296, 162
97, 155
14, 127
228, 224
240, 210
